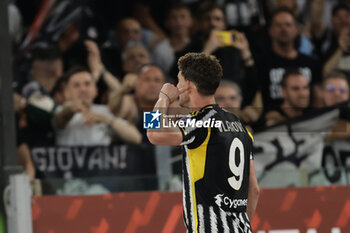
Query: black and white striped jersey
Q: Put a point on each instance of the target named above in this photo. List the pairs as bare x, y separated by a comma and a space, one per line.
217, 150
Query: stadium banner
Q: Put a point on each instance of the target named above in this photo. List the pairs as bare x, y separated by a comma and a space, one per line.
299, 144
94, 161
287, 210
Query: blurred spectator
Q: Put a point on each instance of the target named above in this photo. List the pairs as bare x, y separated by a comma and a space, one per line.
38, 105
283, 55
150, 80
299, 7
337, 54
336, 92
127, 30
145, 11
211, 18
302, 43
260, 38
336, 89
228, 95
296, 97
105, 80
134, 56
80, 122
46, 69
67, 25
331, 42
242, 14
230, 47
179, 23
320, 16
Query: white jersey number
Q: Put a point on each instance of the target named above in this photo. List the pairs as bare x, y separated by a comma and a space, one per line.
237, 171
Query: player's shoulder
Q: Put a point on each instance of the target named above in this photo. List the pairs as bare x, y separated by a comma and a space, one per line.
228, 118
222, 112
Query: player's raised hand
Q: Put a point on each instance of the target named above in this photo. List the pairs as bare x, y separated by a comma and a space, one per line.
170, 92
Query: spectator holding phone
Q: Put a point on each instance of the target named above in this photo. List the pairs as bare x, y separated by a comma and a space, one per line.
230, 47
281, 57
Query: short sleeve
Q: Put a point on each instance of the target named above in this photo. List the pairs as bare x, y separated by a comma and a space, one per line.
192, 136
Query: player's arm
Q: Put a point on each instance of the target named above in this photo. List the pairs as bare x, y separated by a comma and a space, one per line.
169, 136
253, 193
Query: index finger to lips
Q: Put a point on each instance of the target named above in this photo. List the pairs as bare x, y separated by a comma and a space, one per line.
182, 89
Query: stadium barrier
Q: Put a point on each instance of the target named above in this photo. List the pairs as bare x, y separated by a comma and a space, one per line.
292, 210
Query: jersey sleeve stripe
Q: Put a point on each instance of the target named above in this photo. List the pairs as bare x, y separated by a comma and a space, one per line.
250, 134
189, 141
207, 116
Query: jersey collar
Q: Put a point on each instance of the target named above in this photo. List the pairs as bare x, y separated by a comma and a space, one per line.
209, 106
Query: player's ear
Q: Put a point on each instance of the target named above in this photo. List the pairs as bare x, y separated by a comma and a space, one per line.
189, 85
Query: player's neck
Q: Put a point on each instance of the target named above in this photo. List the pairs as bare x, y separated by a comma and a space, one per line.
201, 101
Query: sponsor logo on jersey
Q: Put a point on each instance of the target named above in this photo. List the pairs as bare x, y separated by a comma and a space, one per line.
221, 200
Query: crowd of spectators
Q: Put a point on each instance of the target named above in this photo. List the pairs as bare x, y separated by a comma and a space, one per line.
88, 77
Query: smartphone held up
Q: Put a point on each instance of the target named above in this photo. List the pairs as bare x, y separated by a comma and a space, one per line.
227, 38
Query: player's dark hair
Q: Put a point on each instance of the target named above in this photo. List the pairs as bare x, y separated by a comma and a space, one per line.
72, 71
289, 72
203, 70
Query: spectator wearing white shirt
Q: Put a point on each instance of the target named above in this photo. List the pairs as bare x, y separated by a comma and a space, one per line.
79, 122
